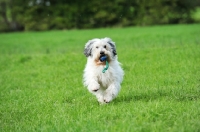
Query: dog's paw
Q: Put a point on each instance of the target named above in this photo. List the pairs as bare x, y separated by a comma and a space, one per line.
94, 87
107, 98
95, 90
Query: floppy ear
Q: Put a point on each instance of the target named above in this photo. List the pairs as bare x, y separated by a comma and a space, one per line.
112, 44
88, 47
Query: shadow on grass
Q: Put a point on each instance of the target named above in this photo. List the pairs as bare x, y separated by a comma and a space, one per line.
159, 95
140, 97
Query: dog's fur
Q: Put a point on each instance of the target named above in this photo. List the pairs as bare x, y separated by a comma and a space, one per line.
104, 85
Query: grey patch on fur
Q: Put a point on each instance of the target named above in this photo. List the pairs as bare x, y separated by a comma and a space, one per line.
113, 48
88, 49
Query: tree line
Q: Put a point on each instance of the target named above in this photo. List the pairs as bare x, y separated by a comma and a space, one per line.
38, 15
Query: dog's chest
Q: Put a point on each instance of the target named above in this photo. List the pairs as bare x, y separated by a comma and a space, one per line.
105, 79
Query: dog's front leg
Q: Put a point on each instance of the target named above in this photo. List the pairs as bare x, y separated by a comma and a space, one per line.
93, 86
111, 92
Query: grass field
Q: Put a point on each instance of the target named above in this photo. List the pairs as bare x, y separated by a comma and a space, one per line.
41, 81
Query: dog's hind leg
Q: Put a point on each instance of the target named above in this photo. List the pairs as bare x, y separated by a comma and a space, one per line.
99, 95
111, 92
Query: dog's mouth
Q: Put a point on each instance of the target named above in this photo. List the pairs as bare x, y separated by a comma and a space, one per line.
103, 58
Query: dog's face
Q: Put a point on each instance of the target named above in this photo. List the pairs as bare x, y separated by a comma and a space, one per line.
96, 48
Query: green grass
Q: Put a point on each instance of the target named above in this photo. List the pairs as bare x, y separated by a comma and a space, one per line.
41, 81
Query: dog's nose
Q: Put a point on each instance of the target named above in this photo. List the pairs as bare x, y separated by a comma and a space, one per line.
101, 52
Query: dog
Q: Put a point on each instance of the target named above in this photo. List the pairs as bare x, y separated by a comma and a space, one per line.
105, 86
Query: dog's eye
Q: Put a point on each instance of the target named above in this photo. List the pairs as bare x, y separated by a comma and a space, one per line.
104, 46
97, 47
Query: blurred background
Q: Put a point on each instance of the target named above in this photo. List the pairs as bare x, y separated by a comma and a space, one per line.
40, 15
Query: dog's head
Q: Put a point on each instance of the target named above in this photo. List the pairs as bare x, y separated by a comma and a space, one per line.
96, 48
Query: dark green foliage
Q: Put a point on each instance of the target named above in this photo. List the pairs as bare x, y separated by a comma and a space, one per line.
52, 14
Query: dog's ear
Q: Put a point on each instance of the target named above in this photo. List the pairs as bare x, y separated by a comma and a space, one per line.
112, 44
88, 48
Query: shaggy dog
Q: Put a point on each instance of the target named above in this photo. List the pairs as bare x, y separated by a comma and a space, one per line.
105, 86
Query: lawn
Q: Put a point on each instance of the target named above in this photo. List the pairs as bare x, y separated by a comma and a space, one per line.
41, 81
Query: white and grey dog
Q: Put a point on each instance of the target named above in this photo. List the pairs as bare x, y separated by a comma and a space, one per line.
104, 85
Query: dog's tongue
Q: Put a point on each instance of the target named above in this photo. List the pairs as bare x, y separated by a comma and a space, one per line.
103, 58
